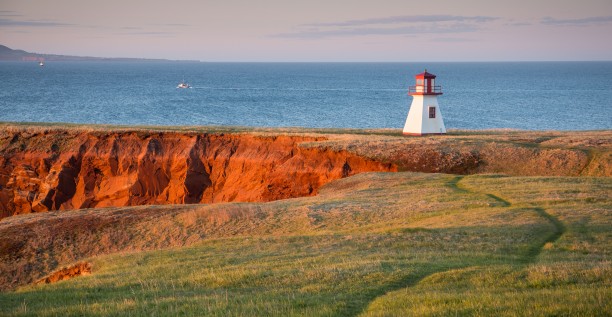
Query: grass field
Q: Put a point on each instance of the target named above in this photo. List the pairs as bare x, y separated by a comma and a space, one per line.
375, 244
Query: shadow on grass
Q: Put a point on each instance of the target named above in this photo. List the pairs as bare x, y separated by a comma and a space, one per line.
560, 229
536, 249
503, 202
356, 308
454, 184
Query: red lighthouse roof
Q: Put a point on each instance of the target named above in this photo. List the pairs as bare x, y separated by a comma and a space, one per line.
425, 74
425, 85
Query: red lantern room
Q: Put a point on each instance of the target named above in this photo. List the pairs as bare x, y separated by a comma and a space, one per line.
425, 85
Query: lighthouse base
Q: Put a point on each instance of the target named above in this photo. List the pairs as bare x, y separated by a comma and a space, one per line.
424, 116
420, 134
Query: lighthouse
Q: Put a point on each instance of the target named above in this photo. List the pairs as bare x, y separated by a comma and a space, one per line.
424, 116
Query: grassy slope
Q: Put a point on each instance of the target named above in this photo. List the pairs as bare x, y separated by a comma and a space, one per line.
373, 244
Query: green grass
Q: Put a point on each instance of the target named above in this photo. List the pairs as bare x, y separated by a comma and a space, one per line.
377, 244
35, 127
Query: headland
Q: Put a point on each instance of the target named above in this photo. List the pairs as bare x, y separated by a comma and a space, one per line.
458, 209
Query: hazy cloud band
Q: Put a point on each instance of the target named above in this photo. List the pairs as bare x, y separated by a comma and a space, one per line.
407, 19
581, 21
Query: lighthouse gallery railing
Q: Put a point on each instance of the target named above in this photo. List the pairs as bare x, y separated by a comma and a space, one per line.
425, 89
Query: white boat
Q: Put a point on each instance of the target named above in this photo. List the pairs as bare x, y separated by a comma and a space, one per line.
41, 63
183, 85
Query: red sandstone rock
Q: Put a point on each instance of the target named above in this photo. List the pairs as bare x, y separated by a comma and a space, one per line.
73, 170
81, 268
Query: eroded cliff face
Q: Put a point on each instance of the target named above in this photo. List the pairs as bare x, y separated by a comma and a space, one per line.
60, 170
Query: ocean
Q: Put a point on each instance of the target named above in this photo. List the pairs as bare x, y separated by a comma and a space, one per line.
515, 95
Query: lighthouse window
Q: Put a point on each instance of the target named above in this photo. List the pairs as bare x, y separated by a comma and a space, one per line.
432, 112
419, 82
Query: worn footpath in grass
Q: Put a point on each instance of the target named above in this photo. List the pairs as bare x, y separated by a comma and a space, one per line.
568, 274
382, 244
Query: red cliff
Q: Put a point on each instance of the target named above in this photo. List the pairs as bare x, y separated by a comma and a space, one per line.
71, 169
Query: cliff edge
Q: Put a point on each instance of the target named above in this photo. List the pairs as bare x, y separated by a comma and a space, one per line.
46, 168
73, 169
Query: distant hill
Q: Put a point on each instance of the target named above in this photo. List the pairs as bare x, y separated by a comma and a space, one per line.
8, 54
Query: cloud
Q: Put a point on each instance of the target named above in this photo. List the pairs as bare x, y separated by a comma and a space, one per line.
18, 31
6, 13
174, 24
580, 21
393, 25
364, 31
452, 40
406, 19
30, 23
149, 33
152, 33
513, 22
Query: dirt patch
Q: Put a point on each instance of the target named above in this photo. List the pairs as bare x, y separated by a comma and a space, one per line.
81, 268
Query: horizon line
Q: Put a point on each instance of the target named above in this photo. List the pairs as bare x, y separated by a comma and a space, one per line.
164, 60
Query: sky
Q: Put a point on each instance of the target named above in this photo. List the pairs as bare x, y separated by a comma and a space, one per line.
313, 30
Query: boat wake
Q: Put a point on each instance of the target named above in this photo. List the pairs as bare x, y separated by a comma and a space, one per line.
295, 89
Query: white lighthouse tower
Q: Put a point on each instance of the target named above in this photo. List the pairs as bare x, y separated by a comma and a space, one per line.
424, 116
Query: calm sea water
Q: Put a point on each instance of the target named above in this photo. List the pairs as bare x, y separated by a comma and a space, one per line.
534, 96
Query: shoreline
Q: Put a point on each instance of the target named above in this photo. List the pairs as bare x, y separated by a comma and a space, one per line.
280, 129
